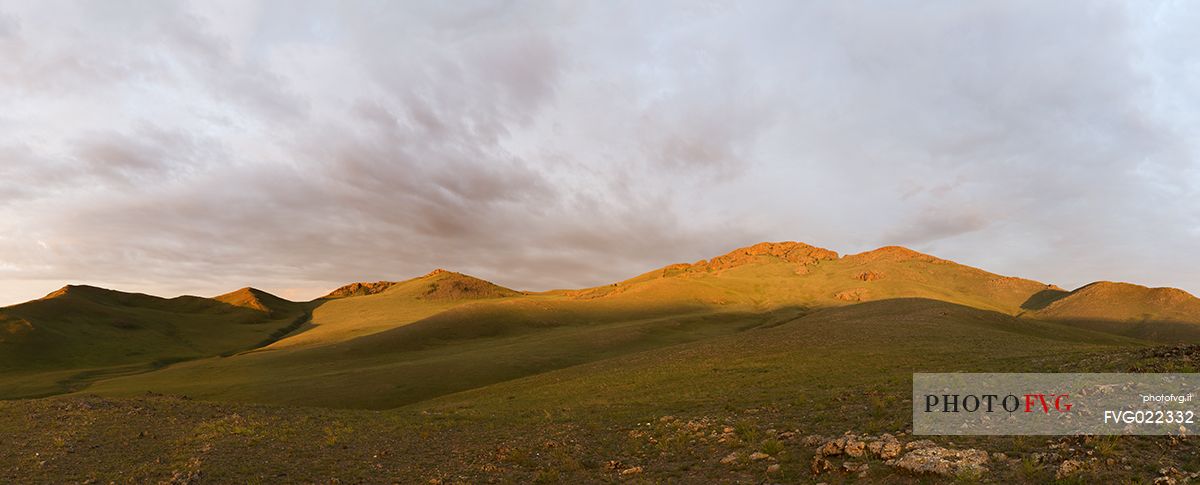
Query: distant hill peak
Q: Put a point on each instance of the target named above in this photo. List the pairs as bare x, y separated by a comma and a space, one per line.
61, 292
78, 290
895, 253
1108, 300
1159, 294
788, 251
440, 284
361, 289
252, 298
449, 285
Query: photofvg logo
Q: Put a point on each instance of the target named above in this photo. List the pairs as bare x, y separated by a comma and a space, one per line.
1054, 404
991, 403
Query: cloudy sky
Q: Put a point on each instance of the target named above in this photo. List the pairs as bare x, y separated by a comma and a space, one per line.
173, 148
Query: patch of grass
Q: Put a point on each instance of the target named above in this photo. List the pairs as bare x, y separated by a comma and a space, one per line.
746, 431
772, 447
336, 432
547, 475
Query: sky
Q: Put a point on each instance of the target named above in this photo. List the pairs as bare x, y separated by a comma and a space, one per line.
199, 147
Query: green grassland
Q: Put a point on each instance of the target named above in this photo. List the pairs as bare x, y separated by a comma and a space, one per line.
80, 334
447, 377
663, 410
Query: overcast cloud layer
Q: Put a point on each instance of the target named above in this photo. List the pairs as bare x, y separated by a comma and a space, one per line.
175, 148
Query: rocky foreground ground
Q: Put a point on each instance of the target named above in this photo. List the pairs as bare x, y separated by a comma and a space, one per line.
171, 439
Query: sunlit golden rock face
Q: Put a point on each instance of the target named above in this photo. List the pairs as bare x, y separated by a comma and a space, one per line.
360, 289
790, 251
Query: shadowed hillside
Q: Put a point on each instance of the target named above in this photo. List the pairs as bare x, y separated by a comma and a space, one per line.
1162, 314
360, 309
80, 333
1106, 300
682, 374
258, 300
385, 344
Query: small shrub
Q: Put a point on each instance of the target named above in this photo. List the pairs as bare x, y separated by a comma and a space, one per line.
746, 431
772, 447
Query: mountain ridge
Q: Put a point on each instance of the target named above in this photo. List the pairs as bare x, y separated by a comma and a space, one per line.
801, 254
396, 337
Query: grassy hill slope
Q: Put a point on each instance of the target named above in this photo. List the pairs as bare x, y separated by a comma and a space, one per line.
81, 333
463, 348
386, 344
1164, 314
770, 275
390, 344
360, 309
673, 413
825, 357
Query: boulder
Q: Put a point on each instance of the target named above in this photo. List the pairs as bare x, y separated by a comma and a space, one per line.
886, 447
821, 465
1068, 468
944, 462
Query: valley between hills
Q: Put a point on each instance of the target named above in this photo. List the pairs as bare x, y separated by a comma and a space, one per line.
748, 367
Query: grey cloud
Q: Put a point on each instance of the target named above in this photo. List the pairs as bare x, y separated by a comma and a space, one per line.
189, 149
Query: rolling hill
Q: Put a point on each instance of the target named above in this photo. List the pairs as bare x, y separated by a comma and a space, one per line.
663, 374
1161, 314
360, 309
81, 333
387, 344
770, 275
390, 343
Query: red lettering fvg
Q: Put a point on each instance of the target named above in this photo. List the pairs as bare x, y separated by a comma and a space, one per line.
1047, 402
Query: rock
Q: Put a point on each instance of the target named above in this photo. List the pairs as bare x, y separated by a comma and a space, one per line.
1171, 476
944, 462
916, 445
998, 456
759, 456
831, 448
792, 252
821, 465
1067, 468
773, 469
632, 471
886, 447
853, 294
890, 450
854, 447
812, 440
730, 458
848, 444
854, 467
360, 289
869, 276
